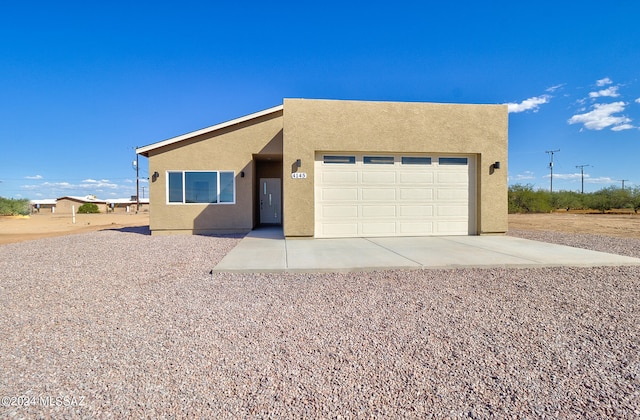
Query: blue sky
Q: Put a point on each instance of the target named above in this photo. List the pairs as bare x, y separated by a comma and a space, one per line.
81, 85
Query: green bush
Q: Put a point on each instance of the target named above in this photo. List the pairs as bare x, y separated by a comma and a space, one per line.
523, 199
14, 207
89, 208
567, 200
635, 199
610, 198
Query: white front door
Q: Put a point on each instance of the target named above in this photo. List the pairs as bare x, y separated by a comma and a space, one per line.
270, 199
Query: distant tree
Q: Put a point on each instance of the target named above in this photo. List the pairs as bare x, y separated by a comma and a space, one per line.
523, 199
89, 208
14, 207
634, 199
568, 200
609, 198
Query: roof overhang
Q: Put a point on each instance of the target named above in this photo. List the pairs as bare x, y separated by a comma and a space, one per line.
144, 151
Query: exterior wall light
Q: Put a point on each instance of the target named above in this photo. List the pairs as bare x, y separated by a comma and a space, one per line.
298, 163
496, 165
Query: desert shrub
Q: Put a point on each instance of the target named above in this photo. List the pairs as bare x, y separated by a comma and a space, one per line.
567, 200
609, 198
523, 199
14, 207
89, 208
635, 199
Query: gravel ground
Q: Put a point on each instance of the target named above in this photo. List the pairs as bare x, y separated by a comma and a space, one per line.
120, 324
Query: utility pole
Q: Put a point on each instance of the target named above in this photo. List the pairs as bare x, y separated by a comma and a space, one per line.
135, 163
623, 182
550, 153
582, 174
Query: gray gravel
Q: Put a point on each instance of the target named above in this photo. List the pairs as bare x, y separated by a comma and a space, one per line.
123, 324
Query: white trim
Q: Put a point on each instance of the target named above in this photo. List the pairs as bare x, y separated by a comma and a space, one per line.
146, 149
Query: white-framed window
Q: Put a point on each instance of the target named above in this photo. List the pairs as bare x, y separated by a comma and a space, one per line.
201, 187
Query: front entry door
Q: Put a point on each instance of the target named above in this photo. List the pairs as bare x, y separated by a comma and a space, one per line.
270, 198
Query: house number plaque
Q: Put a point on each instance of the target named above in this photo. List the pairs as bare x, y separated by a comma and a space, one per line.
298, 175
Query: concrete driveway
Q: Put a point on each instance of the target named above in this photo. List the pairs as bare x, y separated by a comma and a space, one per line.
266, 250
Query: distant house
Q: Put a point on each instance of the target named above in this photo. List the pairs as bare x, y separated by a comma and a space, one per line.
327, 168
127, 205
47, 204
66, 204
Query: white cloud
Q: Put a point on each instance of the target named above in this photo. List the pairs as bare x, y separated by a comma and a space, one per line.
528, 104
569, 176
611, 92
103, 183
600, 180
526, 175
622, 127
554, 88
638, 101
602, 117
33, 177
604, 82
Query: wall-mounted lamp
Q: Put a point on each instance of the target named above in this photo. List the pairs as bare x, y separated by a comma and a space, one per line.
156, 174
496, 165
298, 163
241, 174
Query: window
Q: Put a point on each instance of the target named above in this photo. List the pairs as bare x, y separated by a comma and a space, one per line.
378, 160
340, 159
416, 160
452, 161
209, 187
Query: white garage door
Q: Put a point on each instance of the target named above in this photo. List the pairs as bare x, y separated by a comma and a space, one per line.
359, 195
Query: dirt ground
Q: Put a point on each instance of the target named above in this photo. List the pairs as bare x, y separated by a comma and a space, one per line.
18, 229
619, 225
38, 226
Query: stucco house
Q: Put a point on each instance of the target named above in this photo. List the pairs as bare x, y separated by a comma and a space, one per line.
69, 204
47, 204
127, 205
333, 168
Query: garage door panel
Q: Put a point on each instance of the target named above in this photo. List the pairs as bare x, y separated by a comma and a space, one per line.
378, 228
416, 194
376, 178
339, 229
452, 211
452, 227
378, 194
378, 211
416, 178
337, 177
416, 211
339, 211
453, 177
456, 194
409, 197
340, 194
416, 228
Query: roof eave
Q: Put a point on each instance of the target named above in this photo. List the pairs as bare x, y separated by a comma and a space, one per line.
144, 151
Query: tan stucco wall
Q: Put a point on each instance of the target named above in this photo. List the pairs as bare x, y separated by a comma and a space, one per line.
356, 126
67, 206
228, 149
